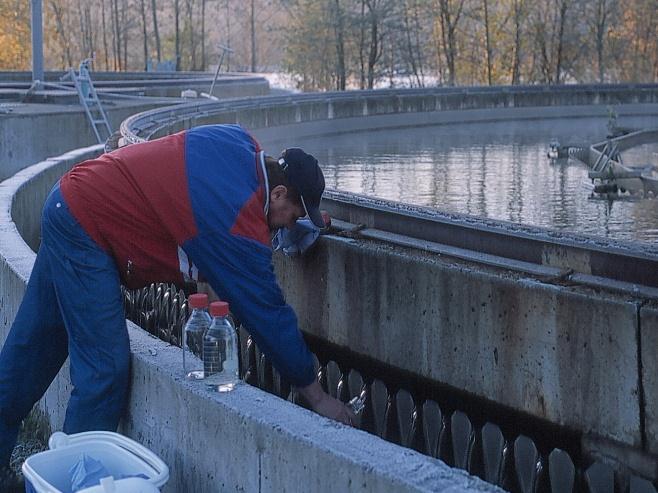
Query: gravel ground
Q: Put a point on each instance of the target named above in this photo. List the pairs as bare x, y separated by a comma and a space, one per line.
31, 439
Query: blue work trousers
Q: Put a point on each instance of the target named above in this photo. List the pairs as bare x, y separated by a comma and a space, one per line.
72, 307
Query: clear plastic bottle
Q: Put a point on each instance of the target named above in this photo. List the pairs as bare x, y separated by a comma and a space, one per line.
357, 403
220, 350
195, 328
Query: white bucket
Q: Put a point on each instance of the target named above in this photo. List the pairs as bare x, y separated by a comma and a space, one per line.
48, 471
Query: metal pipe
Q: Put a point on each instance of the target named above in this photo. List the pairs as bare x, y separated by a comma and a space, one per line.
37, 43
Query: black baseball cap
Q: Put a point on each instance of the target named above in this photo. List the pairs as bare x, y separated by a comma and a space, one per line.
305, 175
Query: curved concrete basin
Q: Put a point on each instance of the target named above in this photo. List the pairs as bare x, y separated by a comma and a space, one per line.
527, 339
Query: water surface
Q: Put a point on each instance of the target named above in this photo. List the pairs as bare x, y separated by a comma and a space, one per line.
498, 171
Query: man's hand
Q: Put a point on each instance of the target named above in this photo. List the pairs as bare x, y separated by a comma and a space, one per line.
326, 218
322, 403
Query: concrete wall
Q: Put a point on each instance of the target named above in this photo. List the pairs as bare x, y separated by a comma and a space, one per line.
246, 440
279, 133
564, 353
34, 132
231, 88
649, 351
344, 112
157, 84
224, 88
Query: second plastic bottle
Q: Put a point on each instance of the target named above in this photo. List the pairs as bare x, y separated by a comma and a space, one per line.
220, 350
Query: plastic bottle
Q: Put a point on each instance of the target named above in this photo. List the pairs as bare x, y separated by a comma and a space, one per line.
195, 328
220, 350
357, 403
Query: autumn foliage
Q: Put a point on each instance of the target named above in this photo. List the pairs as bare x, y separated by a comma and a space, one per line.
343, 44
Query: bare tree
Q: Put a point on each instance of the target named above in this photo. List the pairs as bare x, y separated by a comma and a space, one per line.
203, 35
252, 25
413, 49
62, 32
228, 35
449, 15
341, 76
562, 19
362, 46
86, 36
549, 33
375, 50
419, 31
156, 32
599, 19
376, 45
487, 37
125, 28
90, 31
105, 49
190, 27
82, 28
116, 34
177, 53
518, 16
142, 5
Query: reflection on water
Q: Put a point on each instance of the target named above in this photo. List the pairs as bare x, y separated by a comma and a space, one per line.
498, 171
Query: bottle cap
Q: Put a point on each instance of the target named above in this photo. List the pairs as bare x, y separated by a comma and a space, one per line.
219, 308
199, 300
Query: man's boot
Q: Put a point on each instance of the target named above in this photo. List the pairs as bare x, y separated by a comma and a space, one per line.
10, 482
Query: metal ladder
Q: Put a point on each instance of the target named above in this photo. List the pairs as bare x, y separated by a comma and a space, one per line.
89, 100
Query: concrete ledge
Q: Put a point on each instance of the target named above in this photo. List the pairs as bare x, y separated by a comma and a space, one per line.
247, 440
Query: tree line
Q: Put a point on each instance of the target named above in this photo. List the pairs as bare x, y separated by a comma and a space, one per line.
343, 44
336, 44
134, 35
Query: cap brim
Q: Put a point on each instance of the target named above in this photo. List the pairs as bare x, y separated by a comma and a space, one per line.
314, 215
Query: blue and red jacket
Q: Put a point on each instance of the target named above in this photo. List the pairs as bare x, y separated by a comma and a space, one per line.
187, 204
